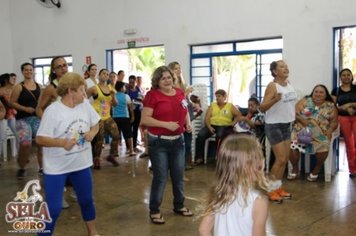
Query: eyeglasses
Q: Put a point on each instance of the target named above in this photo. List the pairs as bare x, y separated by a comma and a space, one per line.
61, 66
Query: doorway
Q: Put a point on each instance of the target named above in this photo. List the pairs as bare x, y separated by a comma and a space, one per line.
136, 61
237, 76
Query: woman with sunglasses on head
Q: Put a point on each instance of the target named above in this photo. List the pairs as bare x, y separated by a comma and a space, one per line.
59, 67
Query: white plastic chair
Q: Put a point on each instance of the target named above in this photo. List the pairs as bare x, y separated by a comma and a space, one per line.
206, 147
200, 90
9, 136
330, 162
197, 124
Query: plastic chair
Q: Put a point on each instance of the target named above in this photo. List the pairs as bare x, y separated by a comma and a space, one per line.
206, 147
197, 124
200, 90
330, 167
9, 136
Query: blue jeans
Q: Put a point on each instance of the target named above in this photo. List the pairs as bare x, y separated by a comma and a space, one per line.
166, 155
188, 147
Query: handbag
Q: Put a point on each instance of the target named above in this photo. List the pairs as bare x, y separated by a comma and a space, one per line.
304, 136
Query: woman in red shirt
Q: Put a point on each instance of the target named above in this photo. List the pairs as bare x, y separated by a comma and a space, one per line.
165, 114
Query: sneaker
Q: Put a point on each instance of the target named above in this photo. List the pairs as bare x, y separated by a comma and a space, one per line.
65, 204
21, 174
312, 178
283, 193
112, 160
40, 171
275, 197
352, 175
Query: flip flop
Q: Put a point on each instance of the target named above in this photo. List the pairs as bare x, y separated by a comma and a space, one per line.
189, 167
199, 162
143, 155
183, 212
158, 220
132, 154
292, 176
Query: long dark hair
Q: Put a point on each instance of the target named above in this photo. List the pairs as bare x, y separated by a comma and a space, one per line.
52, 76
4, 78
328, 96
346, 69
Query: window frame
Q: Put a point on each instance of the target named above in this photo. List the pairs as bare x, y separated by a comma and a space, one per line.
234, 52
43, 65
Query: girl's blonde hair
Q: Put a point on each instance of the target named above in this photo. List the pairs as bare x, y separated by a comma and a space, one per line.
180, 81
239, 169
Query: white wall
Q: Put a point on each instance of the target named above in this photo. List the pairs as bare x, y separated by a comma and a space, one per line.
89, 27
6, 55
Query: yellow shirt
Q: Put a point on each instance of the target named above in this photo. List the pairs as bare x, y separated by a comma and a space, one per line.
112, 88
223, 116
102, 104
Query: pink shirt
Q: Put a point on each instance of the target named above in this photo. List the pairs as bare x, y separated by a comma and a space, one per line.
167, 108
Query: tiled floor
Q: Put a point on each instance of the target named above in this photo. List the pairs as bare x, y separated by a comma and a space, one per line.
122, 193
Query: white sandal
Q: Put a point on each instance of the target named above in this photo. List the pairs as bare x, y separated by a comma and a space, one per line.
292, 176
312, 178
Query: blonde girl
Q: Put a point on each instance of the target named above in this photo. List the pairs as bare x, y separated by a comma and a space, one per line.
238, 203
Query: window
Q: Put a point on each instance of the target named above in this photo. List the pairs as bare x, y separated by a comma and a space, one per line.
344, 51
42, 68
241, 68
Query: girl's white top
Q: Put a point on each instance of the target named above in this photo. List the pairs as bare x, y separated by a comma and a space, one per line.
237, 218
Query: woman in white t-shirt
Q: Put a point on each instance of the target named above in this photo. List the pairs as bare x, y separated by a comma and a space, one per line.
238, 204
66, 130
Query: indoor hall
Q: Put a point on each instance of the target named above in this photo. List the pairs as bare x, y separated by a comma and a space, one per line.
311, 33
122, 194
